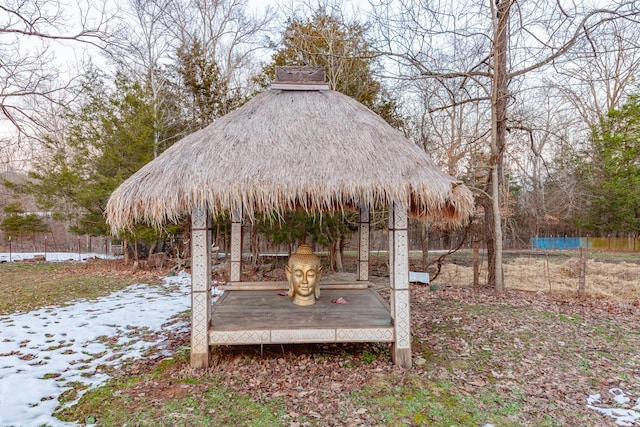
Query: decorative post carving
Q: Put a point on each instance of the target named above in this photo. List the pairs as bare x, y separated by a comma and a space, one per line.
236, 244
200, 286
391, 261
363, 246
399, 281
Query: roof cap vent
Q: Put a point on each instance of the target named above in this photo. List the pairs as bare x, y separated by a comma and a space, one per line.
300, 78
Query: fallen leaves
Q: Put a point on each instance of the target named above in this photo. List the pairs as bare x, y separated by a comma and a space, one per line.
543, 353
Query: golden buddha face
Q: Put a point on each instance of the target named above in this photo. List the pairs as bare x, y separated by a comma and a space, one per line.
303, 273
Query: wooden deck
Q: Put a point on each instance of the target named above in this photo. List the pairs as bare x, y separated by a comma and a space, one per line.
264, 317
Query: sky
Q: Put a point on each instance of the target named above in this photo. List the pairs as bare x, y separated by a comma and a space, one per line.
43, 351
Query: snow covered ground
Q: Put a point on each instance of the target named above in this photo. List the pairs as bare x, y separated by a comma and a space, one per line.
42, 352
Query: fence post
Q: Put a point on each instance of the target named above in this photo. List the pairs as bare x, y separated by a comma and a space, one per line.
583, 272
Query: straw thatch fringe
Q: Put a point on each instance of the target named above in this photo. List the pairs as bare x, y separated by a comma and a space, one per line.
315, 150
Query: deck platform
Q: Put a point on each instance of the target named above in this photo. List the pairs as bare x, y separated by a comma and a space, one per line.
265, 317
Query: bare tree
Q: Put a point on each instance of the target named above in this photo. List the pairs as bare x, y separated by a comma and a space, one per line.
29, 33
142, 48
494, 49
602, 71
546, 126
229, 32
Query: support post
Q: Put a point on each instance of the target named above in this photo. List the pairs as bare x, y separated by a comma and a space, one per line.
200, 286
391, 261
582, 278
236, 245
399, 281
363, 245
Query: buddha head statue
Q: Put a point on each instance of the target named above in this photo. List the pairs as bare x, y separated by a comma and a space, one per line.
303, 273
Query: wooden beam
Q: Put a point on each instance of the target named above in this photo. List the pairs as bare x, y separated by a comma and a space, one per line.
363, 243
200, 286
284, 285
399, 278
236, 245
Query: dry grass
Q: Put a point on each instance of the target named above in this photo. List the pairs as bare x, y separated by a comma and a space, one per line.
29, 286
617, 281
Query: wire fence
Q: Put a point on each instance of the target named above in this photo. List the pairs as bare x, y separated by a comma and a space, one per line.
72, 244
621, 244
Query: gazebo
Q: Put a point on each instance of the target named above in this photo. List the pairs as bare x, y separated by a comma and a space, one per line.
298, 145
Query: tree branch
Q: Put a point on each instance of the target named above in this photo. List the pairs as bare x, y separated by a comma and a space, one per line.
424, 72
572, 41
455, 104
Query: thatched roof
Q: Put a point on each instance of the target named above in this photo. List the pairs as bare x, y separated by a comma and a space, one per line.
315, 149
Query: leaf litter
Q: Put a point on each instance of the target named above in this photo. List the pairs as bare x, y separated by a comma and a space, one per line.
544, 354
556, 356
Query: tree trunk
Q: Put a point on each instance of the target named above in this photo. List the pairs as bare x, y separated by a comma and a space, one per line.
125, 251
446, 240
424, 245
187, 240
217, 242
476, 264
340, 251
332, 255
499, 103
152, 250
255, 246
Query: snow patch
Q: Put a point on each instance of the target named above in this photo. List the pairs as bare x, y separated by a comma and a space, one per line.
43, 352
622, 416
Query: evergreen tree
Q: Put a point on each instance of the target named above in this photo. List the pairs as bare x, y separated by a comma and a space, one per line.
209, 93
344, 52
19, 224
612, 172
107, 138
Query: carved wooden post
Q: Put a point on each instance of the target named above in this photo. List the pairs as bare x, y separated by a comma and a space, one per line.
200, 286
391, 261
363, 246
236, 245
399, 280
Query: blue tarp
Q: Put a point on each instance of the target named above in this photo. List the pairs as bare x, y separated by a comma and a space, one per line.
555, 243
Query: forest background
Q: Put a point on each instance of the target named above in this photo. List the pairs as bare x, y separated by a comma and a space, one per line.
534, 104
